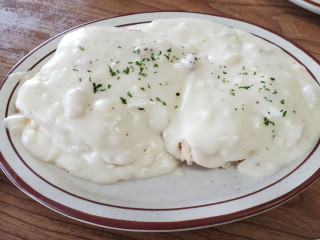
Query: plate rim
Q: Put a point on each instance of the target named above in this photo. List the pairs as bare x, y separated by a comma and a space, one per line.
308, 5
152, 226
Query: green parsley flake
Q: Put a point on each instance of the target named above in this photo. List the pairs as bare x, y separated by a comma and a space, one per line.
272, 79
126, 71
129, 94
159, 100
109, 86
123, 100
265, 88
268, 121
267, 99
142, 89
245, 87
112, 72
81, 48
96, 87
282, 101
137, 50
141, 109
284, 113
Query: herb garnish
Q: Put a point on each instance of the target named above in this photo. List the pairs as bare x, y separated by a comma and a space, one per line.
159, 100
111, 71
245, 87
267, 99
137, 50
123, 100
284, 113
268, 121
96, 86
126, 71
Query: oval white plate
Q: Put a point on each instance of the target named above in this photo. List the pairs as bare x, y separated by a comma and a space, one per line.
200, 198
311, 5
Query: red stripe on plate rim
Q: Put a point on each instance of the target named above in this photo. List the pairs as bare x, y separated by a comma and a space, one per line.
312, 3
152, 226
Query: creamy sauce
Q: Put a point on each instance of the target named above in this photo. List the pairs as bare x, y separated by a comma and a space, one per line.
119, 104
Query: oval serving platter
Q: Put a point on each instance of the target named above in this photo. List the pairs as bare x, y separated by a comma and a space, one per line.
199, 198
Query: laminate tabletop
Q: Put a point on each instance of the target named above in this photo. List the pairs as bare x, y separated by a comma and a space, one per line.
25, 24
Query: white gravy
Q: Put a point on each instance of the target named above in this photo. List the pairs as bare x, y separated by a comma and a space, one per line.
116, 104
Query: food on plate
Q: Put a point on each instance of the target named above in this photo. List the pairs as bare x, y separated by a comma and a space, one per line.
129, 103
